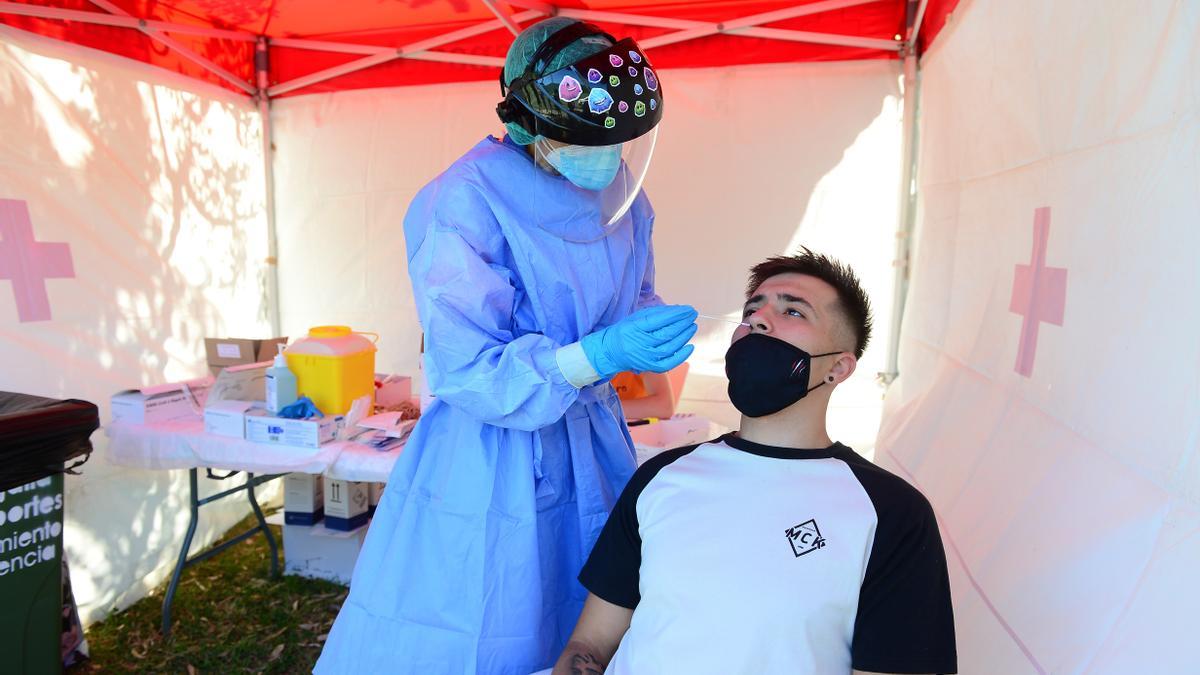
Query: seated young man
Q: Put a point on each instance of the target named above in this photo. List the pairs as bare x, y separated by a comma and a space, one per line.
772, 549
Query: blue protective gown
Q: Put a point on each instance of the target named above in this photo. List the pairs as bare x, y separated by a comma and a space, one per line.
470, 563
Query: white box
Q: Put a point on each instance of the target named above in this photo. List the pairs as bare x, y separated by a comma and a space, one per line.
346, 504
262, 428
675, 432
160, 403
227, 418
374, 494
320, 553
393, 389
241, 383
303, 498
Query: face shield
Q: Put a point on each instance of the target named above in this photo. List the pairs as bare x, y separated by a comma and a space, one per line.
596, 125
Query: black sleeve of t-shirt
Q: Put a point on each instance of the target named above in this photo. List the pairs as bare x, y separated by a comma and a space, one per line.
613, 570
905, 620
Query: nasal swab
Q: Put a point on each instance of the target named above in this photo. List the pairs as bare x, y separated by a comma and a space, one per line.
721, 318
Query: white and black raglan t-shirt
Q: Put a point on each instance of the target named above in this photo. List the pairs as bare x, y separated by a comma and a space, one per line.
744, 558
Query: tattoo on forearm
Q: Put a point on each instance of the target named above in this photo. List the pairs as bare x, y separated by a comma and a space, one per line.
586, 664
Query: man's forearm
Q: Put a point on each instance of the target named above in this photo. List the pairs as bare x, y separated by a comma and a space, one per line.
580, 659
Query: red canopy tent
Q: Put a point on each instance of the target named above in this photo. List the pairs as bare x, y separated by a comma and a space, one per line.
312, 46
267, 49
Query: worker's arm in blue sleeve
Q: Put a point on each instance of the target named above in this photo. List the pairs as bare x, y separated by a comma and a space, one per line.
644, 212
466, 299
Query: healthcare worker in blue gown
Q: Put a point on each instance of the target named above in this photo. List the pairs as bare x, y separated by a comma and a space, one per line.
533, 273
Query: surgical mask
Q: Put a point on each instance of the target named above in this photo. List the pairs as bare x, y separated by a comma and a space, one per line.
589, 167
767, 374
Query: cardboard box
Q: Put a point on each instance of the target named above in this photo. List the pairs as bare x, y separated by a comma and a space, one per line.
345, 504
262, 428
320, 553
224, 352
374, 494
227, 418
303, 499
161, 403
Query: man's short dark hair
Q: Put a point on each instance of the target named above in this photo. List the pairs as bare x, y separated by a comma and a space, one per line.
852, 300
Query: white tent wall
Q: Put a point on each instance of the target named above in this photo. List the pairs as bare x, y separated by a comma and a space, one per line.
155, 183
751, 161
1068, 492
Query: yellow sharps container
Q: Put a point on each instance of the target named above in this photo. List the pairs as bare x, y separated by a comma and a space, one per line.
333, 366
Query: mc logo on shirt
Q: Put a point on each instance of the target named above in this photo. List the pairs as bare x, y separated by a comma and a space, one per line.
805, 537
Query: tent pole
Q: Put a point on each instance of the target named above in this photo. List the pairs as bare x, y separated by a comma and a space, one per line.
503, 17
917, 21
416, 50
747, 26
120, 21
262, 80
172, 44
915, 14
908, 212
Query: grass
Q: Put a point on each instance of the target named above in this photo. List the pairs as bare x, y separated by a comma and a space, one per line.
229, 616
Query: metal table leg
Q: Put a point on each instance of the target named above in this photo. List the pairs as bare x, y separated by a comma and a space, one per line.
187, 545
262, 525
195, 503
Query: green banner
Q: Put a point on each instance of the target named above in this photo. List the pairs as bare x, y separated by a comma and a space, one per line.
31, 522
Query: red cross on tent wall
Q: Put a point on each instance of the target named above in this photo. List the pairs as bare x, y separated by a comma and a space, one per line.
28, 263
1039, 293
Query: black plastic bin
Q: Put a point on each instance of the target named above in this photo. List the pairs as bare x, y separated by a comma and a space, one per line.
39, 439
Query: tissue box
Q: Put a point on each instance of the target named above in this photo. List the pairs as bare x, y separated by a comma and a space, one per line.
160, 403
224, 352
262, 428
303, 499
346, 504
320, 553
227, 418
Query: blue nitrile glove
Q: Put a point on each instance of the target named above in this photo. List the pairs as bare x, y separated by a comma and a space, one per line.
654, 339
300, 409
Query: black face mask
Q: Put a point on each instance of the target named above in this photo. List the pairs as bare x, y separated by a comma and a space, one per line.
767, 374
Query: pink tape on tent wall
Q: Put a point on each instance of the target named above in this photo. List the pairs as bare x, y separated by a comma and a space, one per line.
28, 263
1039, 293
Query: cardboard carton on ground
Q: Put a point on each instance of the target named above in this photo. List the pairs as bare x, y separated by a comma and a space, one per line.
374, 494
318, 552
346, 504
303, 499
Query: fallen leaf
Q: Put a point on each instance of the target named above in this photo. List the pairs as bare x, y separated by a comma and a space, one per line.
276, 652
295, 604
322, 636
191, 669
